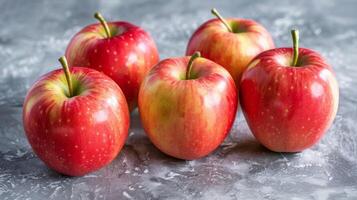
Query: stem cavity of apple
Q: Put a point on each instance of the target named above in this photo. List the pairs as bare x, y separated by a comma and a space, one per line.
104, 23
295, 36
65, 67
197, 54
216, 13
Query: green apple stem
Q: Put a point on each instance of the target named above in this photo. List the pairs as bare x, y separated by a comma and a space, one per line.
190, 63
295, 35
104, 23
216, 13
65, 67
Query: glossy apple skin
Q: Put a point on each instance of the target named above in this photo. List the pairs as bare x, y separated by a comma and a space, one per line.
187, 119
233, 51
126, 57
77, 135
288, 109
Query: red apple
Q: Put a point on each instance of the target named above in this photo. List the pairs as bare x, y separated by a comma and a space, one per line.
121, 50
75, 128
289, 97
187, 106
232, 43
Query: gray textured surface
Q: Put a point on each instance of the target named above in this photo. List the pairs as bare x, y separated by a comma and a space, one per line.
34, 34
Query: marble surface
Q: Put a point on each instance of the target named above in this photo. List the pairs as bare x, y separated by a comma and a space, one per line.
34, 34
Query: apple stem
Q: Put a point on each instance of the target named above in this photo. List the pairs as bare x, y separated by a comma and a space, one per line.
65, 67
216, 13
104, 23
295, 36
190, 63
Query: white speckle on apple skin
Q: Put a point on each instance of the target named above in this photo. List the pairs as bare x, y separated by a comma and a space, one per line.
316, 89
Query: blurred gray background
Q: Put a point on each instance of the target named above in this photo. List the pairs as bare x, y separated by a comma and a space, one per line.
34, 34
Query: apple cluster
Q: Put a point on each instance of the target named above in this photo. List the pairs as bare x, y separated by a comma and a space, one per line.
77, 118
